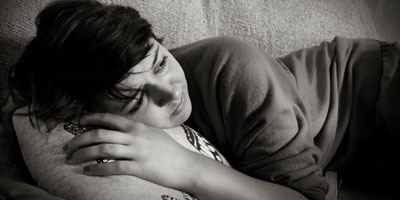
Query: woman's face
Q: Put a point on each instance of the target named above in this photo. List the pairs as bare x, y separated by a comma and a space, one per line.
160, 91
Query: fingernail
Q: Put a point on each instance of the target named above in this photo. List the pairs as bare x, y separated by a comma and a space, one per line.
65, 147
86, 168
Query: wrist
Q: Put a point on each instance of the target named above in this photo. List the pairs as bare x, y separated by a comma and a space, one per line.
200, 175
193, 172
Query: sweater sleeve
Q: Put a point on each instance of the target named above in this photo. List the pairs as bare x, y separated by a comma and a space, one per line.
247, 103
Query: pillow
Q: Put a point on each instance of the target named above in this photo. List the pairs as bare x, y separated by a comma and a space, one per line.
45, 160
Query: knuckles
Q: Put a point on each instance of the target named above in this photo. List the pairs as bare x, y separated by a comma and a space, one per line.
107, 150
98, 135
120, 167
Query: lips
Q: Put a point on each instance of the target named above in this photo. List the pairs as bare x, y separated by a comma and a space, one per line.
179, 107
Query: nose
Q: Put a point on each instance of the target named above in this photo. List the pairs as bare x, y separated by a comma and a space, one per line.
165, 93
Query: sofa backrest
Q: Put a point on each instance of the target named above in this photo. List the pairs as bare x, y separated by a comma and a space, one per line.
274, 25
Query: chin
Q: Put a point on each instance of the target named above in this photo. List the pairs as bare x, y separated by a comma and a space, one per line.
181, 118
185, 116
187, 111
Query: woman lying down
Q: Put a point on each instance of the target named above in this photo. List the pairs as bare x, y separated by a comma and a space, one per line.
102, 105
102, 108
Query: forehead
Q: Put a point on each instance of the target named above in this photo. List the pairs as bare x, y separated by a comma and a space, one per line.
147, 62
133, 78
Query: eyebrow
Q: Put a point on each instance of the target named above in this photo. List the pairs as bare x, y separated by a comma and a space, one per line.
152, 65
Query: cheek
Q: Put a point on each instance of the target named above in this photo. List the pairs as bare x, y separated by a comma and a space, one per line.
152, 117
109, 107
178, 72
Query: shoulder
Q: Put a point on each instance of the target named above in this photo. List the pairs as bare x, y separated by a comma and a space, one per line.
216, 55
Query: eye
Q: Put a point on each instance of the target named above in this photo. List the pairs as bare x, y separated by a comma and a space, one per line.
139, 100
160, 67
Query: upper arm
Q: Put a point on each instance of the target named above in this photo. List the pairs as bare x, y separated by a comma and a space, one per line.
250, 105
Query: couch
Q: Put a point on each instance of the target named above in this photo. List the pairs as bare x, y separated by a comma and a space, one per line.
276, 26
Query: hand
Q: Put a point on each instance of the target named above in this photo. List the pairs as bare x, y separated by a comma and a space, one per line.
139, 150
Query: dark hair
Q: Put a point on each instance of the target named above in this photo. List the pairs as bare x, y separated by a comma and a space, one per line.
81, 50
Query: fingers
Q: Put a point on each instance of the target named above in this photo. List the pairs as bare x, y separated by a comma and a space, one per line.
121, 167
106, 120
96, 136
101, 151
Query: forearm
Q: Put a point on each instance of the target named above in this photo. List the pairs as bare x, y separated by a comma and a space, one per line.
212, 180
